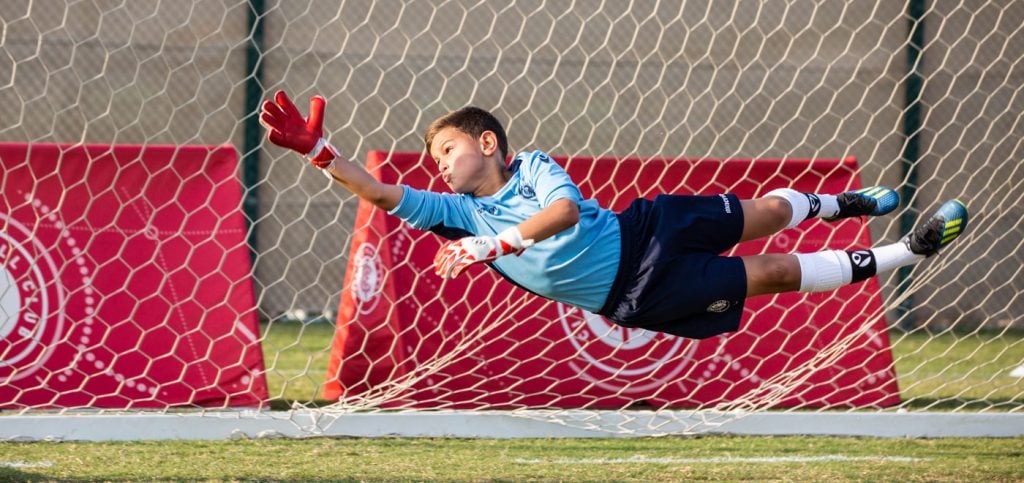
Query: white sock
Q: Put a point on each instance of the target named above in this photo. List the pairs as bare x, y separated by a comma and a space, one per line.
807, 205
888, 257
829, 206
824, 271
829, 270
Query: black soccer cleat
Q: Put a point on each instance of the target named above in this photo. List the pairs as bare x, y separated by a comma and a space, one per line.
948, 223
871, 201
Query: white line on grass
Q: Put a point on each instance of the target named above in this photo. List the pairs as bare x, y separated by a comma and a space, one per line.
24, 464
726, 459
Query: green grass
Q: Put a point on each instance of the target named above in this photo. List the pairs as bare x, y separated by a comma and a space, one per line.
935, 371
296, 356
959, 371
455, 459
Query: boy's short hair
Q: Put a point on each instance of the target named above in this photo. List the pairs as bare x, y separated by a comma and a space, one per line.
472, 121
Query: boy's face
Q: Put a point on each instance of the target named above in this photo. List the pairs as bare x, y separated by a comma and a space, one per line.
461, 159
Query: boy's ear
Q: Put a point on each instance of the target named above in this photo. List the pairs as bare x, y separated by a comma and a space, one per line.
488, 142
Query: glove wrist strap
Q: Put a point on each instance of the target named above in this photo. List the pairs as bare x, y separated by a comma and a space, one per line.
514, 239
322, 154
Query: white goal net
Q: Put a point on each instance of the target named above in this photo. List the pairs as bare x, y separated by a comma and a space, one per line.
158, 256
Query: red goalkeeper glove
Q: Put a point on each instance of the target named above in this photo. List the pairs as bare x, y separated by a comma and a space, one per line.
454, 256
287, 128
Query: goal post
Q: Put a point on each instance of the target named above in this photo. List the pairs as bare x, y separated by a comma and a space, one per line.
190, 259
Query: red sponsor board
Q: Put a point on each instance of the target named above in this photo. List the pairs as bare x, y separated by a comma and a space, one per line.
125, 279
408, 339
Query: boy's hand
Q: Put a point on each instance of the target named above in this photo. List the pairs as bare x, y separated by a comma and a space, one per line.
454, 256
286, 128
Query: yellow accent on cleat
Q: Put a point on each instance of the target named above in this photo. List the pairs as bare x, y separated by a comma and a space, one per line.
871, 191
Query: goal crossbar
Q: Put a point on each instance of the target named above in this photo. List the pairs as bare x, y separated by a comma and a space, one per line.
501, 424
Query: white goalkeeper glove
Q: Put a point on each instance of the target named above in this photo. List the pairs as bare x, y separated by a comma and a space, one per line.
454, 256
287, 128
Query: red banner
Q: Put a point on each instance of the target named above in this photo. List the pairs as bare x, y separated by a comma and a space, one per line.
407, 338
125, 279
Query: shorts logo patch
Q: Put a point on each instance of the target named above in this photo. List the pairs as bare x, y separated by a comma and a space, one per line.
719, 306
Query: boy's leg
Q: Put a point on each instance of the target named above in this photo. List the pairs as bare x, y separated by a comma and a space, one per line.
786, 208
772, 273
831, 269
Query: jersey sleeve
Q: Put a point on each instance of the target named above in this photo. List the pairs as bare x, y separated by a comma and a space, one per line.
442, 213
549, 180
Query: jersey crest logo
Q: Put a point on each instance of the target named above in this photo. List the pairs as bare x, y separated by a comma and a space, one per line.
526, 191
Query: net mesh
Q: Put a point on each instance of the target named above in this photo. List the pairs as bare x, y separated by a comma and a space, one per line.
821, 80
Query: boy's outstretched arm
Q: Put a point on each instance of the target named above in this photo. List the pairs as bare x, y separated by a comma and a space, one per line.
287, 128
455, 256
559, 216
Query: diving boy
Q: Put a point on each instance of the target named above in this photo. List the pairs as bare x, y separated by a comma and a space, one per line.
656, 265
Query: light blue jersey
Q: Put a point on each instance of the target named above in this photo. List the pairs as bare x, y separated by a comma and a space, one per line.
576, 266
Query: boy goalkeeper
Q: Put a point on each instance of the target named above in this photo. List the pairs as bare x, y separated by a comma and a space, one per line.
656, 265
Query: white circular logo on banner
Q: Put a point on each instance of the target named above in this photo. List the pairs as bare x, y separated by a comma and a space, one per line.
10, 301
622, 359
31, 302
369, 278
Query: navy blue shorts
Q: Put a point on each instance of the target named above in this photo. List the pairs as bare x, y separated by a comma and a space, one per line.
671, 275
